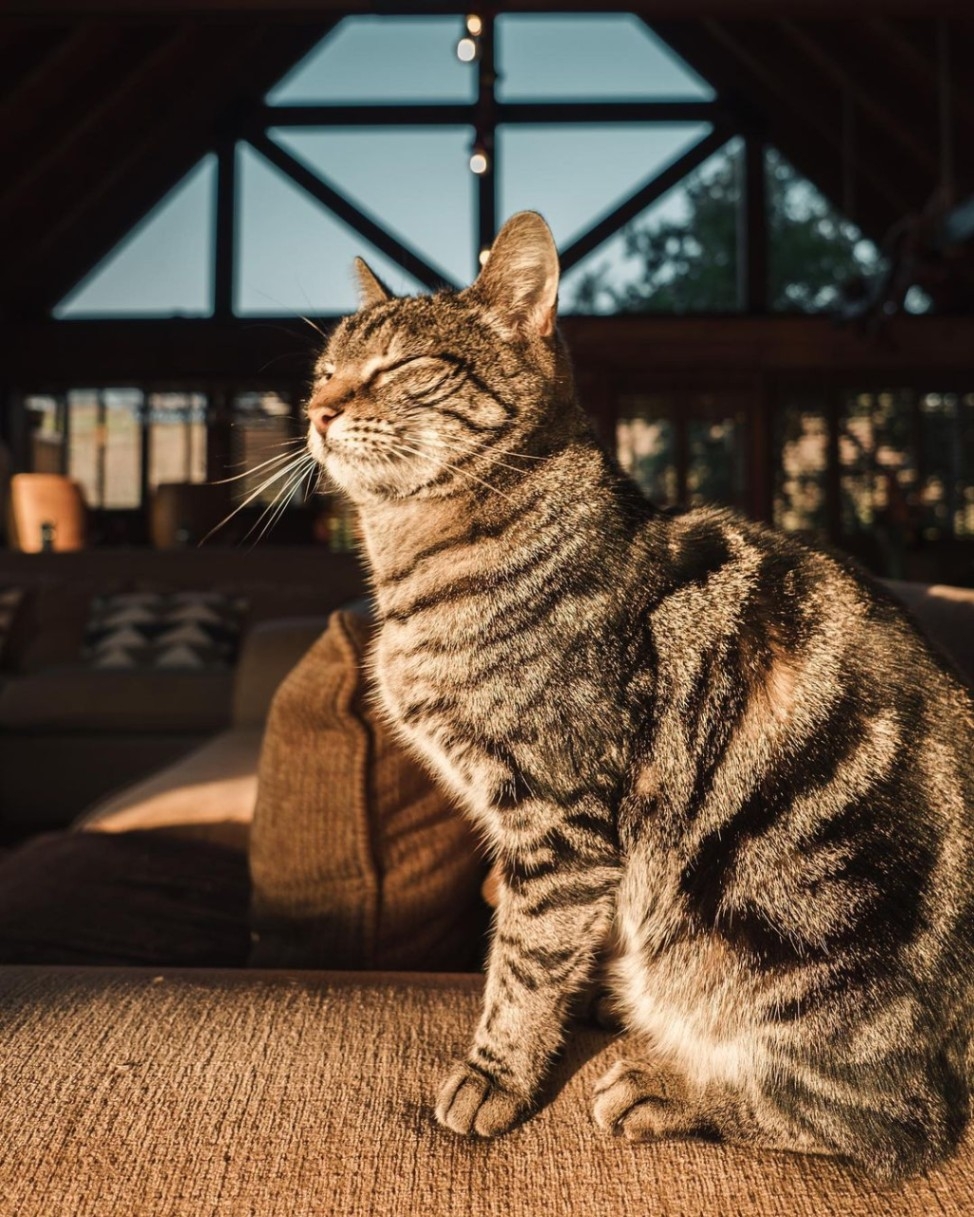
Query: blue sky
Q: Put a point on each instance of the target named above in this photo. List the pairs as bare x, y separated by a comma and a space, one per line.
294, 256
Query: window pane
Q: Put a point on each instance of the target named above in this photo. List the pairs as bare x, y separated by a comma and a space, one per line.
801, 445
946, 497
294, 256
382, 59
45, 415
598, 57
430, 204
716, 438
645, 446
163, 268
264, 435
678, 256
878, 476
105, 445
177, 438
814, 252
574, 174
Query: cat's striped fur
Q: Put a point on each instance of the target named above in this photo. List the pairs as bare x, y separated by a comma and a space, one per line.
701, 749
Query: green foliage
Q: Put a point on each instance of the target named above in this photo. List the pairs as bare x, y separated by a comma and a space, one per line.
689, 263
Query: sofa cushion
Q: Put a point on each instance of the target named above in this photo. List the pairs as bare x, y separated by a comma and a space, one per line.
209, 793
79, 698
357, 860
177, 1094
945, 615
11, 599
123, 898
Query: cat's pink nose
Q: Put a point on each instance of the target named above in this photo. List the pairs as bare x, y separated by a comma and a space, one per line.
321, 417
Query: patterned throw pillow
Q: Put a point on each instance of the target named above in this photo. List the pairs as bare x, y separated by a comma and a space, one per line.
10, 601
189, 630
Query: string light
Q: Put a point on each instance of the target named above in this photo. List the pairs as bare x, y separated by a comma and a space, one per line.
479, 161
483, 256
475, 26
466, 50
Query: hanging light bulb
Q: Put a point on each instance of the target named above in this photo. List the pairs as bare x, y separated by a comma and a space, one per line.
479, 160
475, 25
466, 50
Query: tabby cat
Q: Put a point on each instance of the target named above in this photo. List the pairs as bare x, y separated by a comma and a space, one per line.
700, 749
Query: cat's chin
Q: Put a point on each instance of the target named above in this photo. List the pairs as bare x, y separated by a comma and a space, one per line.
361, 485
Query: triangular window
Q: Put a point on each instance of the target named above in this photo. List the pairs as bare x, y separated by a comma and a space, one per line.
678, 256
593, 57
431, 204
294, 256
815, 255
163, 268
574, 174
381, 59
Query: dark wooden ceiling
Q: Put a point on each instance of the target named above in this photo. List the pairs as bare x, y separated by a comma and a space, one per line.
104, 106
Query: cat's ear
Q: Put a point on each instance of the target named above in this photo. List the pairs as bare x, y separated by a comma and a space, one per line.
371, 289
519, 281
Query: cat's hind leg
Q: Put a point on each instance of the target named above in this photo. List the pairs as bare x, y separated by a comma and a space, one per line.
902, 1132
649, 1101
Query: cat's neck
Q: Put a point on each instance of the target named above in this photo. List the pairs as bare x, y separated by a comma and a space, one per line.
576, 480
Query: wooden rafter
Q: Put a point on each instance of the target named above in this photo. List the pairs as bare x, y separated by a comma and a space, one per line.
899, 126
662, 110
24, 49
284, 10
789, 107
330, 196
38, 274
893, 47
48, 356
157, 67
86, 64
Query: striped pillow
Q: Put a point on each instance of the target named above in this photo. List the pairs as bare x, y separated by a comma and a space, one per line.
164, 630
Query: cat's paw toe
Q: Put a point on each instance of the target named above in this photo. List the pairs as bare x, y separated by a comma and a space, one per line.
471, 1104
631, 1101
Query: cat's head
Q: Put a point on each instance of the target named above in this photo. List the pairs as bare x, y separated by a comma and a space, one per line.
422, 395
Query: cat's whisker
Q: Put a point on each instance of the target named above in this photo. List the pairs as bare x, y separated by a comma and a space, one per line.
278, 505
236, 477
292, 464
473, 446
486, 452
454, 469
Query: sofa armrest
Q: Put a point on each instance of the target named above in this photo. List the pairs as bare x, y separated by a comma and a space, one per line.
270, 651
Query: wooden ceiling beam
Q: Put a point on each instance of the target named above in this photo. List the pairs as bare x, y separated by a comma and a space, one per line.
48, 356
285, 10
906, 57
24, 48
32, 113
68, 159
808, 137
790, 83
819, 46
234, 72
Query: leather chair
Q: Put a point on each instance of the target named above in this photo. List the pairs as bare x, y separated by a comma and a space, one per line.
47, 511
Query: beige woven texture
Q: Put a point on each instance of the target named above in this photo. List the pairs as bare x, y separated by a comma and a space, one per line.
305, 1095
357, 860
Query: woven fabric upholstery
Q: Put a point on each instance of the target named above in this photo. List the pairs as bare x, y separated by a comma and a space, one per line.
357, 860
221, 1094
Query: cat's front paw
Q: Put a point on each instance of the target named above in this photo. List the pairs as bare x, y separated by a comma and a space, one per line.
471, 1104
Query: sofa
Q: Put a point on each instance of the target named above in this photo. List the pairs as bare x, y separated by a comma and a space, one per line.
304, 1086
77, 719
